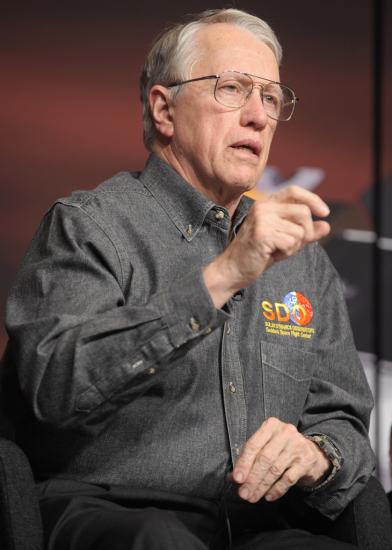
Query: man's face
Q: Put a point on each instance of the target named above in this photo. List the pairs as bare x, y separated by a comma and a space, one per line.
220, 150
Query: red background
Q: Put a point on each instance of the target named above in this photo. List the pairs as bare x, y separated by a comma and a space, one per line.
71, 113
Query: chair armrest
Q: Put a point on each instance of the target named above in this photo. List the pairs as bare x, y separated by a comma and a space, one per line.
20, 518
367, 520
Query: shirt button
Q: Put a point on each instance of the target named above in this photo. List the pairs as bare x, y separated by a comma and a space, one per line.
232, 387
151, 370
189, 230
195, 326
237, 449
238, 296
219, 215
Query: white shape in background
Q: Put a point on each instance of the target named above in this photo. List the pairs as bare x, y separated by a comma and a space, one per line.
305, 176
385, 411
350, 291
361, 236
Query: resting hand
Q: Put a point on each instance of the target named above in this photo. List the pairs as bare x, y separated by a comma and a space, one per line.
275, 458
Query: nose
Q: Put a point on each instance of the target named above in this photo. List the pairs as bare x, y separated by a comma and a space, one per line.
253, 113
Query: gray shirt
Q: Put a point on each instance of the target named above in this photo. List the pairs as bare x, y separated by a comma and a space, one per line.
131, 376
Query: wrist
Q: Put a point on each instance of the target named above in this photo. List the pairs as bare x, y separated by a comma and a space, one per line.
220, 281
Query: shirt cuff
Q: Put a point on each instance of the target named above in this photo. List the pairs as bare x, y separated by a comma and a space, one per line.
188, 310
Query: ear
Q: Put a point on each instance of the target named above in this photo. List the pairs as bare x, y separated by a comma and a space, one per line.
160, 109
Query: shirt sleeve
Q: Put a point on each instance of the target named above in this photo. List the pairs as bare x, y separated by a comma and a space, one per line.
339, 402
81, 348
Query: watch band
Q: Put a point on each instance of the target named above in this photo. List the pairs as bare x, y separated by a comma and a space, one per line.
331, 452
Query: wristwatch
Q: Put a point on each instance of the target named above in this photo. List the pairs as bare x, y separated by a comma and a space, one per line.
331, 452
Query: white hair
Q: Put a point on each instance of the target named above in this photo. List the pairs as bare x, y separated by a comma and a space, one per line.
173, 53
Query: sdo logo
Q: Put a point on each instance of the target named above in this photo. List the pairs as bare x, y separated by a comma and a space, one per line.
295, 307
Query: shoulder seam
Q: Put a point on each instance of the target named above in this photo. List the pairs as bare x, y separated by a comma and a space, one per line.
80, 206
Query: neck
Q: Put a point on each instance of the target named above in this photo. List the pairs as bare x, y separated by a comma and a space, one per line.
219, 194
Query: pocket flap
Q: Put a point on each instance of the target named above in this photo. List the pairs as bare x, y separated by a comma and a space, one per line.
296, 363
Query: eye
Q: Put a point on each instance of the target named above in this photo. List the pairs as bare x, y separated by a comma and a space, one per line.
230, 87
271, 99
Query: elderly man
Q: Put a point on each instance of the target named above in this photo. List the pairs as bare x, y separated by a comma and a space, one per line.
182, 353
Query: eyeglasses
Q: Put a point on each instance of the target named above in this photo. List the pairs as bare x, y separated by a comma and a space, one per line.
233, 89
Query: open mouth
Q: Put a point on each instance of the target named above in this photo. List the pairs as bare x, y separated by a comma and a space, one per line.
250, 146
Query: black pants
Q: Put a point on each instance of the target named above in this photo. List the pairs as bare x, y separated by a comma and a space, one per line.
104, 522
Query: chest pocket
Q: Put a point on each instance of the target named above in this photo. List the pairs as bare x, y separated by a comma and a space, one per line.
286, 376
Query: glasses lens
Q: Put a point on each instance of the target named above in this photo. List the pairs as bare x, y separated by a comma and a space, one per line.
278, 101
232, 89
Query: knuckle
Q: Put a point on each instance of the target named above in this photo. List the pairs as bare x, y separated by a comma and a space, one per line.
302, 232
247, 456
263, 486
305, 210
291, 429
289, 478
291, 244
276, 470
251, 447
294, 191
264, 458
272, 421
244, 461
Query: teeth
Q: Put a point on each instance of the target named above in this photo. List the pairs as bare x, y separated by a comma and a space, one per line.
244, 147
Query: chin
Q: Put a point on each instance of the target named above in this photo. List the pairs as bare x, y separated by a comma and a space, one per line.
246, 181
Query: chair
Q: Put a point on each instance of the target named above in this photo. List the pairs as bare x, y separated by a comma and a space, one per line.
366, 522
20, 520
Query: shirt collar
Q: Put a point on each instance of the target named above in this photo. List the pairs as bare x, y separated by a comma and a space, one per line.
185, 206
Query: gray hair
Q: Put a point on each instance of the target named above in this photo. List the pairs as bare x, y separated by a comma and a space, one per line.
173, 53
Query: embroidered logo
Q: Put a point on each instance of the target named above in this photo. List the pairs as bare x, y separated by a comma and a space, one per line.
289, 317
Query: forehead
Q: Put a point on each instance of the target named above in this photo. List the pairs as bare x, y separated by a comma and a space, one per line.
224, 46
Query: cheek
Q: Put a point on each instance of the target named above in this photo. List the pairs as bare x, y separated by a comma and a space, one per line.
221, 134
210, 139
268, 140
205, 130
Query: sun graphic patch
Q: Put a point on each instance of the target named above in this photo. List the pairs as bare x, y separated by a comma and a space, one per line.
289, 317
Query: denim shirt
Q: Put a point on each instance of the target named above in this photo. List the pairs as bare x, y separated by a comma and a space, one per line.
129, 374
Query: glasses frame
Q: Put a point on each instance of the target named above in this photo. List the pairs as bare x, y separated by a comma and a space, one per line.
251, 76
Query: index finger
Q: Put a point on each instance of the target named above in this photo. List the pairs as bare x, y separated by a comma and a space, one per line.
295, 194
249, 453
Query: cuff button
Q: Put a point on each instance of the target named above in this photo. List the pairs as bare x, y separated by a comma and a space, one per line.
195, 326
